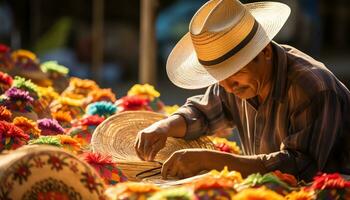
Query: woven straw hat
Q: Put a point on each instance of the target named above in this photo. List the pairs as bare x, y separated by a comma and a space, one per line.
46, 172
116, 137
223, 37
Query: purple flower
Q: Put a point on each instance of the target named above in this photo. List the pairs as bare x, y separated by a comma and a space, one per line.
50, 127
16, 94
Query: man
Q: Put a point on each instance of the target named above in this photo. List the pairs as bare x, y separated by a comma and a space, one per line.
291, 112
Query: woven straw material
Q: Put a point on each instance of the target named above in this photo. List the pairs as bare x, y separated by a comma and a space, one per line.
222, 34
116, 137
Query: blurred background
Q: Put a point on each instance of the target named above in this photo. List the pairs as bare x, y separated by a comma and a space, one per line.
122, 42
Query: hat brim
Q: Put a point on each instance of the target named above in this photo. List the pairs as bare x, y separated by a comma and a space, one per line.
116, 137
185, 71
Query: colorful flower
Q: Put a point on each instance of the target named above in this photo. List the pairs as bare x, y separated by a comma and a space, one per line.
5, 57
69, 143
171, 109
50, 127
48, 140
102, 95
268, 180
91, 120
132, 190
101, 108
26, 85
128, 103
287, 178
11, 137
301, 195
146, 91
104, 165
235, 176
222, 144
54, 67
5, 114
83, 129
47, 93
28, 126
5, 82
16, 94
259, 194
25, 59
329, 181
182, 193
63, 117
80, 86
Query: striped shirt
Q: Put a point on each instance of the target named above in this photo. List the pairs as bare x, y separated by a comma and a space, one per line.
303, 127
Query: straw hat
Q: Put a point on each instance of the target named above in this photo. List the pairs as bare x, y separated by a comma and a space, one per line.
46, 172
116, 137
223, 37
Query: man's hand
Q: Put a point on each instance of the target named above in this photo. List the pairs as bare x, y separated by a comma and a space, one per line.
152, 139
186, 163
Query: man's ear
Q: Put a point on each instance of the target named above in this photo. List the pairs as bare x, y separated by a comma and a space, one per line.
267, 51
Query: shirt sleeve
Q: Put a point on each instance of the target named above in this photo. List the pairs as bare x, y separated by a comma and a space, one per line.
315, 126
204, 114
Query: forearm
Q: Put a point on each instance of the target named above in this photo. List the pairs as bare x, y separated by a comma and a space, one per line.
246, 165
177, 126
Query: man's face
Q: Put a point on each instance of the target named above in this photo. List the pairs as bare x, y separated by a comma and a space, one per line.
245, 83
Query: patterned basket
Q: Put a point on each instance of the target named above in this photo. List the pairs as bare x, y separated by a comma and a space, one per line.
45, 172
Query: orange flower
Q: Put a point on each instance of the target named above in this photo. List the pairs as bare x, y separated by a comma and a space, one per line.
69, 143
28, 126
257, 194
102, 95
5, 114
62, 116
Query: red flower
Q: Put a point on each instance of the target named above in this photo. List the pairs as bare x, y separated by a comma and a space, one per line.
97, 158
327, 181
5, 79
134, 103
92, 120
10, 130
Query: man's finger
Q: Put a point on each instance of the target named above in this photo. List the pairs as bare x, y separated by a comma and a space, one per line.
141, 141
166, 167
156, 147
137, 149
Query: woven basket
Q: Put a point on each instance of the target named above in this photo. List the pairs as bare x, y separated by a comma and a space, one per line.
116, 137
46, 172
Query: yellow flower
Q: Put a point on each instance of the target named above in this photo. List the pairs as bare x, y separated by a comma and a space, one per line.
47, 95
225, 173
146, 91
301, 195
257, 194
70, 102
23, 53
171, 109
